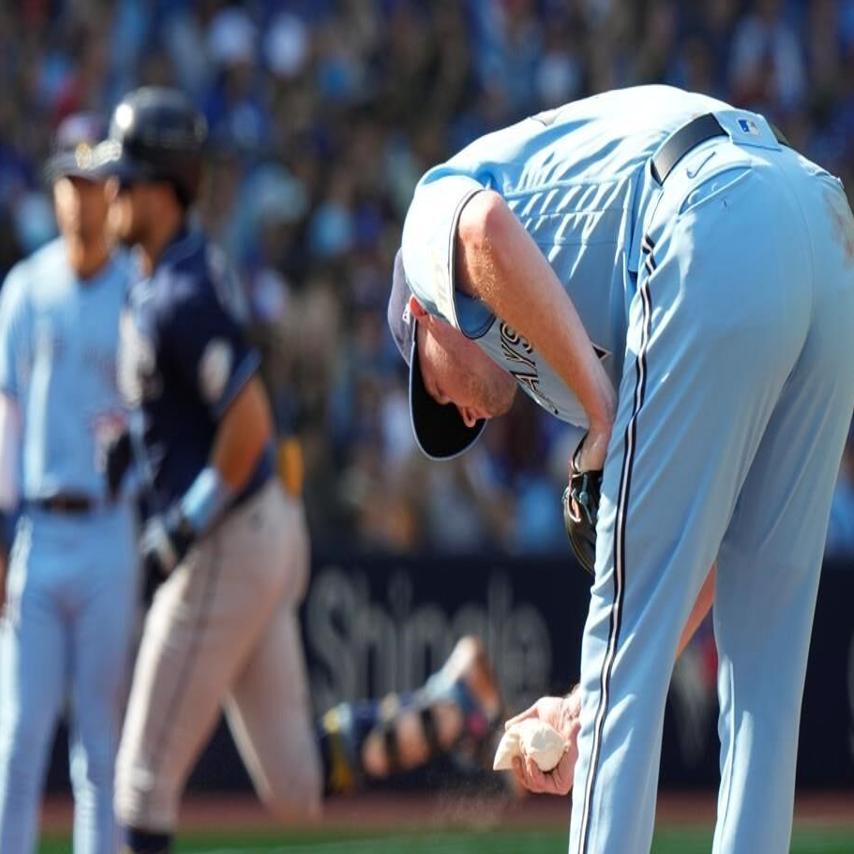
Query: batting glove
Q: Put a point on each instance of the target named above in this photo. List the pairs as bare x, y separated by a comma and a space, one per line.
164, 542
166, 539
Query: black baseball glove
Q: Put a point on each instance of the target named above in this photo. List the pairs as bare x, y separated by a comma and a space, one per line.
581, 509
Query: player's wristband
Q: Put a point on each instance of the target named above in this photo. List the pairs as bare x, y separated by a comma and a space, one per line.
206, 500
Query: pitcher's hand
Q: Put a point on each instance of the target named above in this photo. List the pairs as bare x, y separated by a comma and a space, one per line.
563, 713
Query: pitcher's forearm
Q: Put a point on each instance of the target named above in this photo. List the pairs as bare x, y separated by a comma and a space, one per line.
498, 262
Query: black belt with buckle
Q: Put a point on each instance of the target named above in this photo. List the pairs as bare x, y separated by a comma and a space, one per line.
690, 136
65, 503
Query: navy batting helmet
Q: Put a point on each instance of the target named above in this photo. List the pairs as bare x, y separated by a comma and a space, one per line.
156, 134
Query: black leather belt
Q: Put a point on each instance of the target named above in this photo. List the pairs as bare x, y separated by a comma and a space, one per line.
690, 136
65, 503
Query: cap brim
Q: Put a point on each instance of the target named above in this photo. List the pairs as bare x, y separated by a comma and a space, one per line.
439, 429
68, 166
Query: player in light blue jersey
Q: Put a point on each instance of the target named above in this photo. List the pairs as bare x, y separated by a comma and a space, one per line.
70, 592
665, 271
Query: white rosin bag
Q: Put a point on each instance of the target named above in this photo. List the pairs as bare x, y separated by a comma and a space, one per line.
530, 737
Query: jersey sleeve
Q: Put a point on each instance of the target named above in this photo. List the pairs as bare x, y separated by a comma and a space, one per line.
13, 330
473, 315
208, 349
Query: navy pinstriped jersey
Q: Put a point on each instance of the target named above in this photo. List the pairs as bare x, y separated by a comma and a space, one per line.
183, 358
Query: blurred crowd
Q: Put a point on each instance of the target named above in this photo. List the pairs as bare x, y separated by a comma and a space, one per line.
323, 115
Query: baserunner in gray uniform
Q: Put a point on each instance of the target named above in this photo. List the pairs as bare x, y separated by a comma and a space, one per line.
229, 543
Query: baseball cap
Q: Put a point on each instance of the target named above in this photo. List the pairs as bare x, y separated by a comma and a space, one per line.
424, 266
74, 148
429, 237
439, 429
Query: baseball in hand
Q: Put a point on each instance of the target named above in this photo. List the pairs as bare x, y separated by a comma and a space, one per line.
530, 737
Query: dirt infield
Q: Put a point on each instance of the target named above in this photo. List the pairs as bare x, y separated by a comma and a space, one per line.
385, 811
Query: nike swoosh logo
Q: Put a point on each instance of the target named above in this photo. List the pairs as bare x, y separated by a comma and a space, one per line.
692, 173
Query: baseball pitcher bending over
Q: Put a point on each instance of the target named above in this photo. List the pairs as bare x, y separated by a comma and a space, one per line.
232, 546
666, 271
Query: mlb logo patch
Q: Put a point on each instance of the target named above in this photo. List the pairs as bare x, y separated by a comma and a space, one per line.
748, 126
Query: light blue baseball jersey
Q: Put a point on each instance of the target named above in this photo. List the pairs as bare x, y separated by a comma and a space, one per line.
577, 178
58, 340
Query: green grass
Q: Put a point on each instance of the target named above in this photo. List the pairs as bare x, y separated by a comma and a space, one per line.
682, 841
